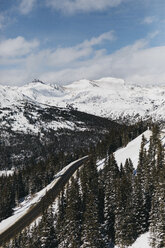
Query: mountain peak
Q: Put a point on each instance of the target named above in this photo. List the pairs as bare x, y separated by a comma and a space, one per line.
37, 81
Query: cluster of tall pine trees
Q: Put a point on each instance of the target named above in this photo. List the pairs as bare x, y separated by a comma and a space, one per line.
101, 209
33, 176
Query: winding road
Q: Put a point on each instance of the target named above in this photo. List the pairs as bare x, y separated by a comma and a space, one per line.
37, 209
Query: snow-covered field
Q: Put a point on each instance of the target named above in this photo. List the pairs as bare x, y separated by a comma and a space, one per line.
24, 206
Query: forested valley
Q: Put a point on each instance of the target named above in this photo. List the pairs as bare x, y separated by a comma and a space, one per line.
96, 209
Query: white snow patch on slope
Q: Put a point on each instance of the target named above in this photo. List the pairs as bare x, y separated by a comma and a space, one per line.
131, 150
7, 173
30, 201
42, 93
141, 242
100, 164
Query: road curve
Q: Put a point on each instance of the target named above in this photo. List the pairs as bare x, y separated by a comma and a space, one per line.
37, 209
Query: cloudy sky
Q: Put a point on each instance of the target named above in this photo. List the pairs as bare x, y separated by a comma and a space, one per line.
60, 41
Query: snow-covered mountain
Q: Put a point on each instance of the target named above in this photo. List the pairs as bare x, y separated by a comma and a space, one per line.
32, 127
107, 97
20, 107
22, 113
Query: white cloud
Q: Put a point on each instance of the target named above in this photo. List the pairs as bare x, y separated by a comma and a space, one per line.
61, 57
135, 63
72, 6
13, 77
21, 53
149, 20
26, 6
98, 40
16, 47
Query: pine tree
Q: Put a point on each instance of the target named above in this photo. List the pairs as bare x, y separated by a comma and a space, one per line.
160, 156
124, 212
112, 173
73, 215
157, 214
142, 191
61, 218
91, 235
157, 217
49, 239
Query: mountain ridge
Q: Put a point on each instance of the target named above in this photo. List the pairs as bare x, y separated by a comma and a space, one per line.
107, 97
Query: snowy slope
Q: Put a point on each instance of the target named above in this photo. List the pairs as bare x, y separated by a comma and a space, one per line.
141, 242
41, 92
110, 97
132, 150
107, 97
23, 113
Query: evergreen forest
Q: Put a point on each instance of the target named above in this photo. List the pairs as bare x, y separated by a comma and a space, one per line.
97, 209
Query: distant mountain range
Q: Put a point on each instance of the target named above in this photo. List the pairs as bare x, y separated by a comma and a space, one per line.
21, 107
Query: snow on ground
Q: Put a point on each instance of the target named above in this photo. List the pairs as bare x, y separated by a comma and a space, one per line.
100, 164
114, 98
41, 92
141, 242
108, 97
24, 206
6, 173
131, 150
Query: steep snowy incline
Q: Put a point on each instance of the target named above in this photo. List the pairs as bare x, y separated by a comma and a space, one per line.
132, 150
141, 242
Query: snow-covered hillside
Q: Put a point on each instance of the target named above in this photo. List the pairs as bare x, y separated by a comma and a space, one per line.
132, 150
21, 113
107, 97
142, 242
